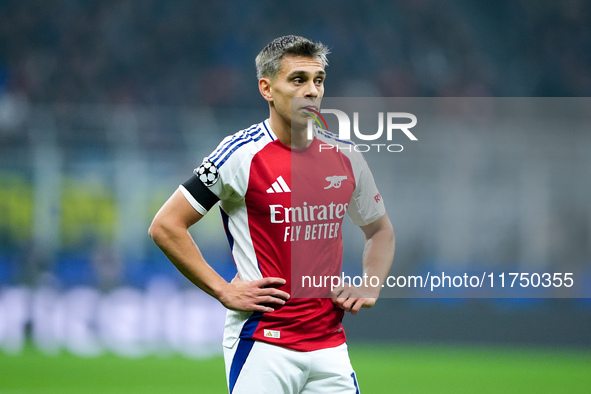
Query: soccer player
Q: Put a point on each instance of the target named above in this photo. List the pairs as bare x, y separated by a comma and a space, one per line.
283, 201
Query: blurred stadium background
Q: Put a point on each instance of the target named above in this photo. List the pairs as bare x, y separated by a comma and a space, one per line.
106, 106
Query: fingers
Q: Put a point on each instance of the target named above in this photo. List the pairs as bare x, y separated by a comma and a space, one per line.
275, 294
347, 303
340, 293
270, 281
268, 287
258, 296
261, 308
353, 305
350, 300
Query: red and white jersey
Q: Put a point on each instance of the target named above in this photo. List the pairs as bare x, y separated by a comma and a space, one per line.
283, 210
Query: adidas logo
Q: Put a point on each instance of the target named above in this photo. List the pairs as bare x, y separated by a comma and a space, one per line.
279, 186
272, 334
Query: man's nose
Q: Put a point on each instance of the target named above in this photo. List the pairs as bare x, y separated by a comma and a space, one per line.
311, 89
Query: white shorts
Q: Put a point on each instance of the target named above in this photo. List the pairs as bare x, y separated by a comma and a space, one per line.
259, 367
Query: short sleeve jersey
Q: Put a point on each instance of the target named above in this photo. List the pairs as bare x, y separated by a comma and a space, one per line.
283, 208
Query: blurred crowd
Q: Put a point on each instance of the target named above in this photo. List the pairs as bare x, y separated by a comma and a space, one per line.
187, 52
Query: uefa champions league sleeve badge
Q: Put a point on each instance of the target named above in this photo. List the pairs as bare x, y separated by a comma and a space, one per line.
207, 173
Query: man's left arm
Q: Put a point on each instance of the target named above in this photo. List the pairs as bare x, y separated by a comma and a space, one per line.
378, 255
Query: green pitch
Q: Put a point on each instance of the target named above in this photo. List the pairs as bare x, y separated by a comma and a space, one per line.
380, 369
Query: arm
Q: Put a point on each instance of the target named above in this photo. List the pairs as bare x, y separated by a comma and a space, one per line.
377, 260
169, 230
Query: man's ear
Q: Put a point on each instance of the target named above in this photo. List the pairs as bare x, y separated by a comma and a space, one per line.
265, 88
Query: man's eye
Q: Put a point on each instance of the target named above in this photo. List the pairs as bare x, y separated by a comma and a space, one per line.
319, 81
298, 80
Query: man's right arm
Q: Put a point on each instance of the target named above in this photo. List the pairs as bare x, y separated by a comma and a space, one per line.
169, 230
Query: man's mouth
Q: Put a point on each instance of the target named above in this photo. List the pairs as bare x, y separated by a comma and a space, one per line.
310, 108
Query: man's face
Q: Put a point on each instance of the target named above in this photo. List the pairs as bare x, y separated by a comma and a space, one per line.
298, 77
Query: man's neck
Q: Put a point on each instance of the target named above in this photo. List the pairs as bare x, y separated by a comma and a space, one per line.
293, 137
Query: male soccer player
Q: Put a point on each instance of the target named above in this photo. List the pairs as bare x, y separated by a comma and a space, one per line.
282, 200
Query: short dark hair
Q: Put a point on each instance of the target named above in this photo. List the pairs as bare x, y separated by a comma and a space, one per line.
268, 61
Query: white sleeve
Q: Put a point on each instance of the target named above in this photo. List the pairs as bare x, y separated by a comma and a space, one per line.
366, 204
223, 175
